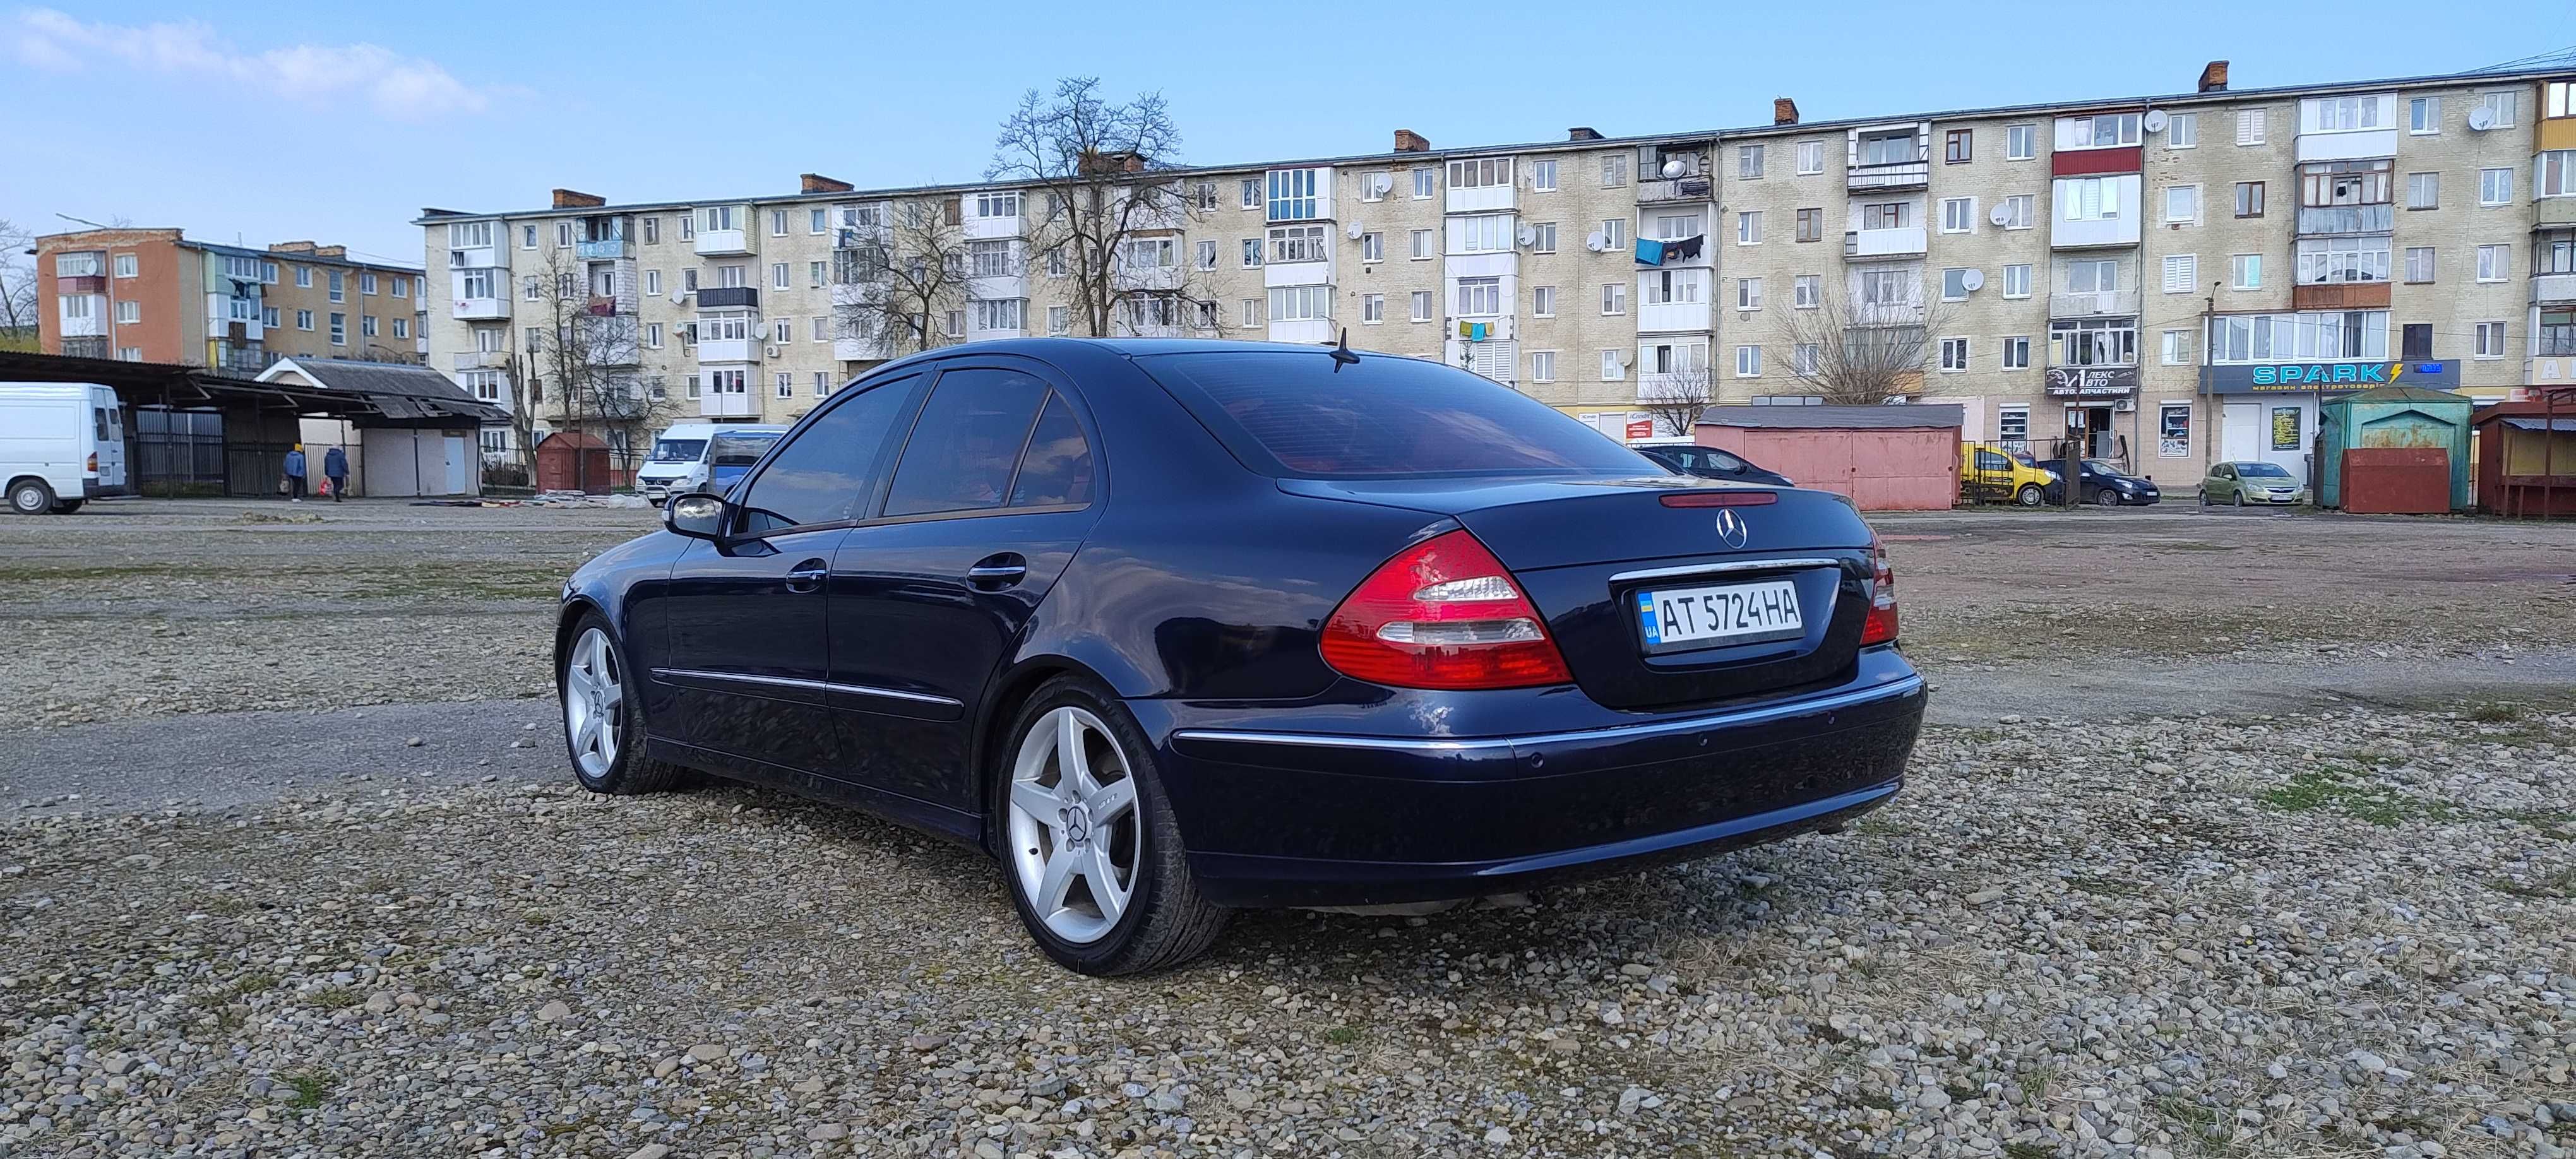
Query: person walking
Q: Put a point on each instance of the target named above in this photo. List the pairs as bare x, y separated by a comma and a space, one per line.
335, 467
295, 474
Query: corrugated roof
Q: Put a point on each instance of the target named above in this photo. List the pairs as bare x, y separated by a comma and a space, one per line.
2523, 423
398, 390
1902, 416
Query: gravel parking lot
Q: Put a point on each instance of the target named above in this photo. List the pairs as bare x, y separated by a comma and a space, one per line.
2087, 928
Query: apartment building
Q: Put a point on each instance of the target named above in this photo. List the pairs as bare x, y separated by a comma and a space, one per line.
152, 295
2171, 279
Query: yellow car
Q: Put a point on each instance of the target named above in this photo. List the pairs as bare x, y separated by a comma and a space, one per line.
1990, 474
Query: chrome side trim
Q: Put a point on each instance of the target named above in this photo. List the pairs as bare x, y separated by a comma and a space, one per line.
1769, 712
1722, 568
814, 685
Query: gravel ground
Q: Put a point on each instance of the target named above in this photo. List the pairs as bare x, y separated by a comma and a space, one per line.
2347, 934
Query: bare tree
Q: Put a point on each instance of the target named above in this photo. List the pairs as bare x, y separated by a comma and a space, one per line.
585, 349
1107, 212
894, 283
17, 287
1862, 353
1675, 400
516, 375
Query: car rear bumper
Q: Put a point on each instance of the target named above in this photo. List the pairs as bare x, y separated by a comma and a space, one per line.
1292, 818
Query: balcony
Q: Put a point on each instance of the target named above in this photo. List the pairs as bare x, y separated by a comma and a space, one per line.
737, 404
712, 350
1902, 242
2553, 289
2553, 213
1674, 189
482, 359
2094, 232
2339, 296
609, 249
600, 306
92, 323
722, 243
2345, 145
1889, 175
718, 297
2122, 303
2319, 220
86, 284
1672, 317
479, 309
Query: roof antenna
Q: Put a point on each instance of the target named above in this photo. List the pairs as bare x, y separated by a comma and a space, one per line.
1342, 355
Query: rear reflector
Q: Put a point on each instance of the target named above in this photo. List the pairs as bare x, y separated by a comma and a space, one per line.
1442, 614
1719, 498
1879, 626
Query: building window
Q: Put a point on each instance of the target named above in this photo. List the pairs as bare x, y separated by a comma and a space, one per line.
653, 335
469, 235
304, 277
125, 266
2019, 210
1372, 247
2245, 271
1811, 157
1542, 237
2562, 98
1748, 362
2336, 260
783, 330
778, 275
1543, 301
1612, 369
1748, 292
1480, 297
1207, 255
1614, 172
1251, 253
2182, 203
1958, 215
1482, 234
1292, 195
1422, 250
2016, 352
1614, 233
1807, 291
2183, 131
2101, 131
339, 329
2094, 342
1249, 191
2503, 106
1249, 309
366, 284
2012, 423
1954, 355
268, 316
999, 314
1811, 225
1614, 298
2493, 266
2182, 273
304, 320
2321, 335
402, 327
2249, 126
2424, 115
1373, 186
1886, 215
1748, 162
1748, 227
819, 329
2423, 190
1959, 147
127, 312
652, 231
2176, 348
2553, 173
2495, 186
2249, 199
2017, 280
339, 291
1542, 366
1059, 319
816, 273
1314, 303
2419, 263
1954, 284
2490, 340
1372, 309
1422, 305
2021, 142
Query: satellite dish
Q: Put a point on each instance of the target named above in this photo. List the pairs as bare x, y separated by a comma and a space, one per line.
1594, 241
1382, 182
1529, 236
1354, 230
2155, 120
1673, 168
1974, 280
2482, 118
2001, 216
679, 296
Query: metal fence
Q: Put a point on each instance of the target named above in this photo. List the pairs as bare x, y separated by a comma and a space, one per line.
178, 452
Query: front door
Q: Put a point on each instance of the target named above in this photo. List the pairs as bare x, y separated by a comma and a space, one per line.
993, 493
746, 656
459, 482
2241, 432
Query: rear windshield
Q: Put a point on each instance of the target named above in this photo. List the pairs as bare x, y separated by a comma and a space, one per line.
740, 450
1299, 414
679, 450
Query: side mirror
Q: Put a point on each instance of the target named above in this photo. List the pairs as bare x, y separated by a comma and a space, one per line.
696, 515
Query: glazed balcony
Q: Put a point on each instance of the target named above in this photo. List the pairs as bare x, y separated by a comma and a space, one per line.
1889, 175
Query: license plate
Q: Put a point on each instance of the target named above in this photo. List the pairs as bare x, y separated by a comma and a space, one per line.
1720, 614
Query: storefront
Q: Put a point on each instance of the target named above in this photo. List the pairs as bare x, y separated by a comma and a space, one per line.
2267, 412
2101, 410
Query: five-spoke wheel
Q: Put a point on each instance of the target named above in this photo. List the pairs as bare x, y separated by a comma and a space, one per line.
1073, 829
594, 702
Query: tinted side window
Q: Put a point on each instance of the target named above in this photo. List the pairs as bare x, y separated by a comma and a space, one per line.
966, 442
1726, 462
1989, 461
1056, 469
828, 468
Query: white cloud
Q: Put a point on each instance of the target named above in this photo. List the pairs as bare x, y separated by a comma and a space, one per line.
395, 85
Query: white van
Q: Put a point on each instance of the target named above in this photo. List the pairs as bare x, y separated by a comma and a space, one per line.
679, 459
62, 444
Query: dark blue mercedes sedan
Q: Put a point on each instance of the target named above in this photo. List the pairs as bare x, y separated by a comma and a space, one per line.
1170, 627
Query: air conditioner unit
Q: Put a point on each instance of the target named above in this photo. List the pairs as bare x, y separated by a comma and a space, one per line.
2125, 406
769, 351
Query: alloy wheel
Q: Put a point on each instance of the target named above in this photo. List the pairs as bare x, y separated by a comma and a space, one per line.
1074, 832
594, 700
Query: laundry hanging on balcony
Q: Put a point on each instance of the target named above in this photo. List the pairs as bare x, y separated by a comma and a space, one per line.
1685, 249
1475, 331
1649, 252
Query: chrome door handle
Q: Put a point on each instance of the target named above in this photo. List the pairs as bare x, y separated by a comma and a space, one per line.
1004, 573
808, 578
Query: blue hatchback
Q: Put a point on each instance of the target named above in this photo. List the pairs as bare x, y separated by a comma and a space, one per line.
1172, 627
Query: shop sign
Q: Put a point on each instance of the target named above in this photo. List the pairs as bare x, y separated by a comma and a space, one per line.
2092, 381
2332, 377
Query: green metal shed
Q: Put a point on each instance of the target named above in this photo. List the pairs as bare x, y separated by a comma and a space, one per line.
2394, 416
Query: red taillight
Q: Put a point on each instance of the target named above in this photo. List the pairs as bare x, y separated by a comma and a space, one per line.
1442, 614
92, 465
1880, 626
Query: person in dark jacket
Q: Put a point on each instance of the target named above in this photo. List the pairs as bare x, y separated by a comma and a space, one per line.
295, 474
335, 467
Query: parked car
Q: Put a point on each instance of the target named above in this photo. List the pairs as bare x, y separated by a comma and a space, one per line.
2106, 484
2251, 482
62, 444
1710, 463
1991, 473
679, 461
1173, 627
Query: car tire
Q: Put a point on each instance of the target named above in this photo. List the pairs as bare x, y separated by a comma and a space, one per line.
594, 685
1163, 920
31, 497
2106, 497
68, 506
2240, 498
2029, 495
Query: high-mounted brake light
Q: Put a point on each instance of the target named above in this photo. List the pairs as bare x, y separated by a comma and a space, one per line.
1880, 626
1720, 498
1442, 614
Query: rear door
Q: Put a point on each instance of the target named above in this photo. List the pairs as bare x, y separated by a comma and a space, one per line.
997, 484
108, 418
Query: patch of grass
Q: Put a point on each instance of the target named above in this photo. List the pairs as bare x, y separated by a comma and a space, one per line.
2199, 1119
1962, 1092
2339, 789
2561, 884
2496, 713
1342, 1035
1874, 1100
2107, 886
310, 1087
246, 985
334, 998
